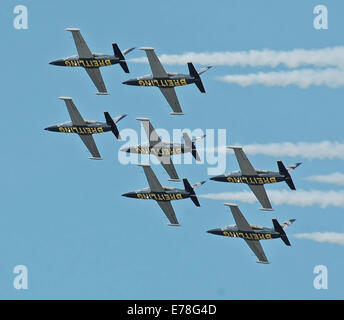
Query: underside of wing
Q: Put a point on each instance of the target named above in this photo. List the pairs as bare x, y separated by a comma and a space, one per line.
256, 247
244, 164
260, 193
239, 218
167, 163
171, 97
169, 212
150, 131
81, 46
74, 114
158, 70
91, 145
96, 77
153, 181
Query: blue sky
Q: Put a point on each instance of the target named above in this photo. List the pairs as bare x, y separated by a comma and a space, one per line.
63, 215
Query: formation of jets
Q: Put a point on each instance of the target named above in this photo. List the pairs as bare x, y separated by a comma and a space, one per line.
164, 150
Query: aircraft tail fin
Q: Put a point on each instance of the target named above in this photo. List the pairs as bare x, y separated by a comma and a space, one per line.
195, 74
112, 122
190, 190
190, 145
278, 228
118, 54
283, 171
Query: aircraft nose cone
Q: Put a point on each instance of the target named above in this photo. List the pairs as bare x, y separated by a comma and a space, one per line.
218, 178
129, 82
125, 150
58, 62
214, 231
128, 194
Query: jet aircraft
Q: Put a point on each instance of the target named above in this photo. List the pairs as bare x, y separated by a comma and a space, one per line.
164, 149
164, 195
166, 81
85, 128
91, 62
257, 178
253, 234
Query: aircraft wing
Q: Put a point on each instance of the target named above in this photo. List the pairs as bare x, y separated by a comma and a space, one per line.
96, 77
260, 193
169, 212
239, 218
74, 114
81, 46
155, 64
150, 132
91, 145
257, 249
167, 163
172, 99
153, 181
244, 164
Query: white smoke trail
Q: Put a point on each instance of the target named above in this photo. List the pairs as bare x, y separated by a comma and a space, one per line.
329, 237
299, 197
331, 56
306, 150
304, 78
334, 178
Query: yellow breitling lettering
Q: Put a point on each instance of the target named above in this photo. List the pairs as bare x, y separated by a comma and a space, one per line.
225, 233
94, 130
67, 63
147, 83
170, 83
268, 236
100, 129
88, 130
260, 180
141, 83
179, 196
173, 197
273, 180
176, 82
139, 195
101, 63
266, 180
62, 129
107, 62
255, 236
95, 63
229, 179
182, 82
167, 197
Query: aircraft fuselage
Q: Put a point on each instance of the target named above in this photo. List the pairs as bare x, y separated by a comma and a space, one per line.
261, 178
167, 195
170, 81
159, 149
92, 127
96, 62
258, 233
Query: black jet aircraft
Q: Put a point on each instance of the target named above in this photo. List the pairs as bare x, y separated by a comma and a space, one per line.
164, 149
91, 62
164, 195
166, 81
85, 128
253, 234
256, 178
